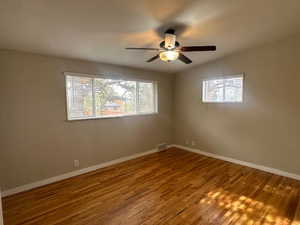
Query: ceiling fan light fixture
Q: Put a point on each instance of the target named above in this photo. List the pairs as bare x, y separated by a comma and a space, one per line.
168, 56
169, 49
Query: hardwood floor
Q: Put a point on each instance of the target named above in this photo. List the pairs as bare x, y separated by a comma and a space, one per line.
174, 187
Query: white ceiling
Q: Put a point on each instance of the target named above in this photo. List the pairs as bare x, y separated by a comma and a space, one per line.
100, 30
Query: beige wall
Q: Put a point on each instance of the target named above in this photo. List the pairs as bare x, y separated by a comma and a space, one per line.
36, 140
265, 128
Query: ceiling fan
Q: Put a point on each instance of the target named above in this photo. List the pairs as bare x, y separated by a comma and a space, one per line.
170, 49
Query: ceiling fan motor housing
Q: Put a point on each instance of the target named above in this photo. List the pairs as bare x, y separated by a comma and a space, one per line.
170, 39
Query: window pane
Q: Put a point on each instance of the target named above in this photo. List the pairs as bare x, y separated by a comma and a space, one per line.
233, 89
101, 97
80, 100
223, 90
114, 97
214, 90
146, 97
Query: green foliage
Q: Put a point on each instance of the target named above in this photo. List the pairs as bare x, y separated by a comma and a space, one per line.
109, 90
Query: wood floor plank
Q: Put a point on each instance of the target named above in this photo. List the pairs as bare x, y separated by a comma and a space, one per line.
173, 187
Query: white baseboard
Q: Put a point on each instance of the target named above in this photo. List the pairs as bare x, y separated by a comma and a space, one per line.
240, 162
1, 215
123, 159
30, 186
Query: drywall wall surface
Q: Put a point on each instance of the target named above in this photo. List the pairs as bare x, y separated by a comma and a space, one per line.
37, 142
264, 129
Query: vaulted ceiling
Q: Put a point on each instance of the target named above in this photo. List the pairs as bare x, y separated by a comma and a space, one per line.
99, 30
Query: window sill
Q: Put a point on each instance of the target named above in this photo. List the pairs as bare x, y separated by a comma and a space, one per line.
111, 117
220, 102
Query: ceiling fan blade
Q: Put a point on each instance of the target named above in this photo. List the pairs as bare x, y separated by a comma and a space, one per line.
152, 49
198, 48
153, 58
184, 59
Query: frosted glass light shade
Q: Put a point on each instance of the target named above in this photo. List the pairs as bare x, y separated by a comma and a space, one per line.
168, 56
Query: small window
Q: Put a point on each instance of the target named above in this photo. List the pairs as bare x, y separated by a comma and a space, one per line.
229, 89
91, 97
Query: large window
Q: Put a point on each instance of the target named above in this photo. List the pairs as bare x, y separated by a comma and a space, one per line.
97, 97
229, 89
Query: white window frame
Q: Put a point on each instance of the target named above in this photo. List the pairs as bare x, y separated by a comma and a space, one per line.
224, 89
155, 96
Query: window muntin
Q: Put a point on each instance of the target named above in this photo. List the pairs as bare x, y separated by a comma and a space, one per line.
229, 89
97, 97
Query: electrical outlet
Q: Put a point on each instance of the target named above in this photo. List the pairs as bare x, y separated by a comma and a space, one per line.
76, 163
193, 143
